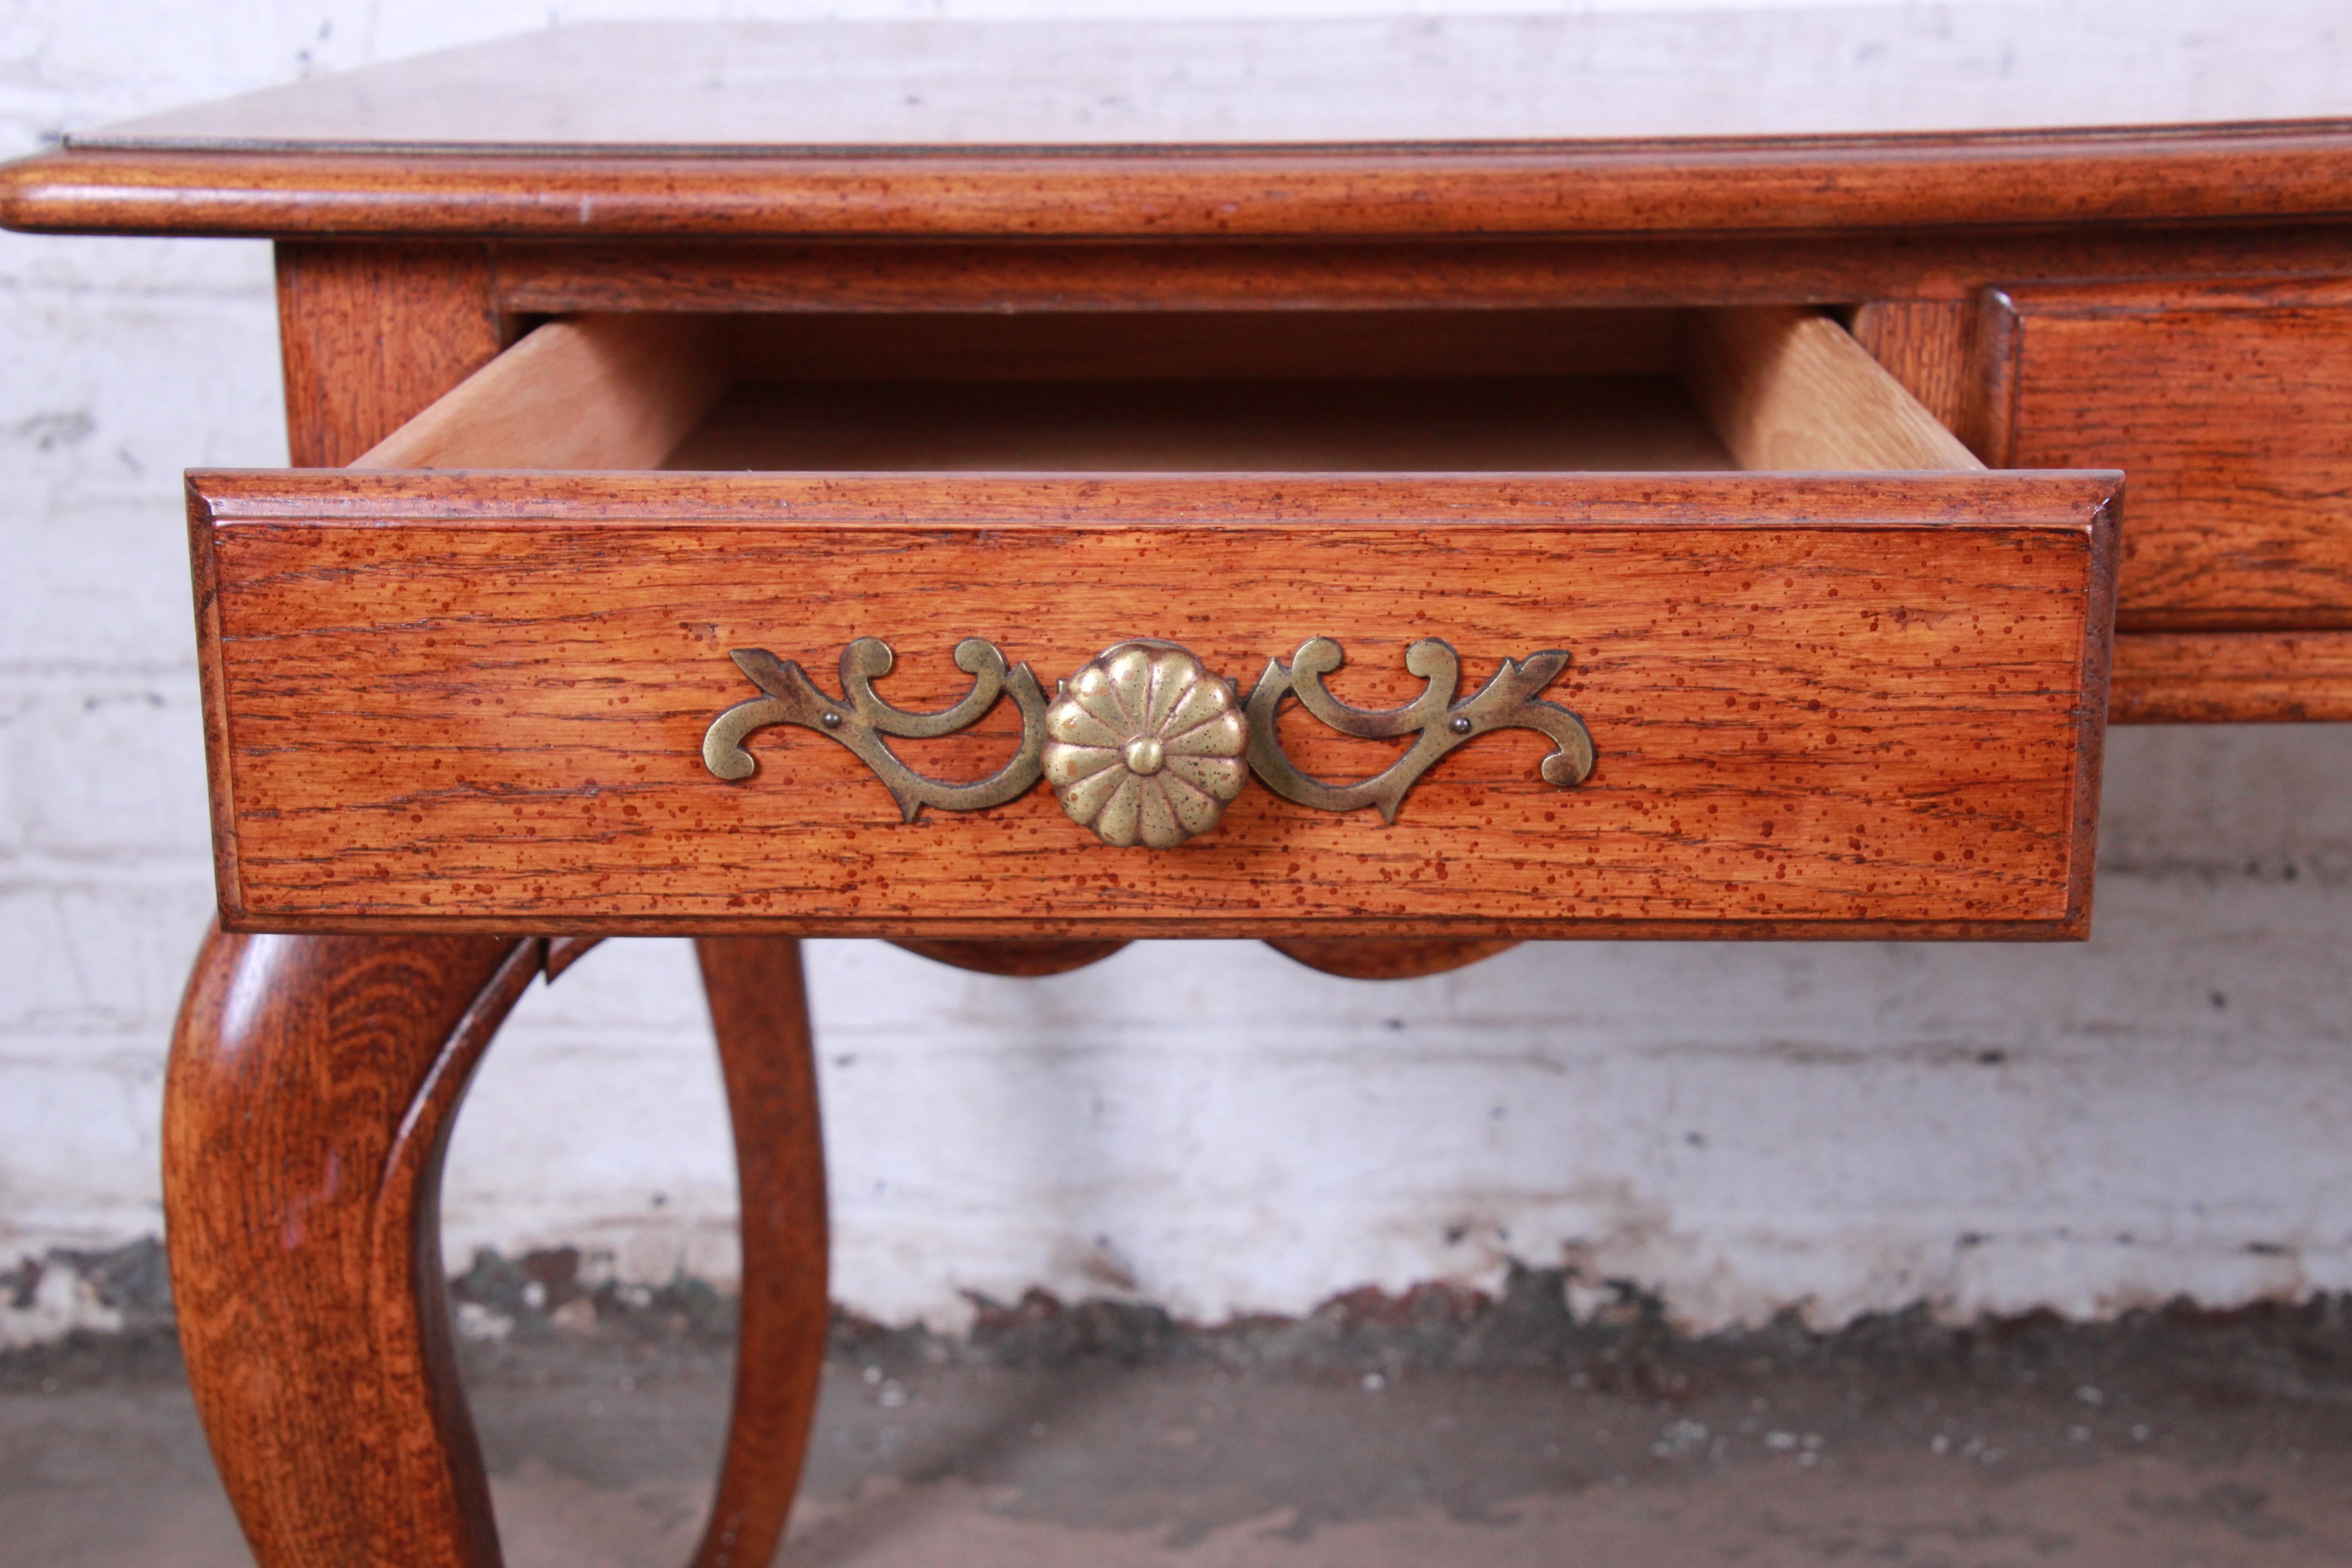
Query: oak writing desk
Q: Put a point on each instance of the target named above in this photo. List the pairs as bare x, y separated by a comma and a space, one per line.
1391, 489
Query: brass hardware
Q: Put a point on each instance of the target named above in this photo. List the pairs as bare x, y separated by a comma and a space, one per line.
861, 722
1506, 702
1144, 745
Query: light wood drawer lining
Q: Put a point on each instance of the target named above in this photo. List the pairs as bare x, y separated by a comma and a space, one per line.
1758, 388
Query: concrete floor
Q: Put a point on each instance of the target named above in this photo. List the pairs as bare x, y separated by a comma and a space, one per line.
2181, 1453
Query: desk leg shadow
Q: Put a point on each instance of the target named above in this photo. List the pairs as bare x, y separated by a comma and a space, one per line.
313, 1084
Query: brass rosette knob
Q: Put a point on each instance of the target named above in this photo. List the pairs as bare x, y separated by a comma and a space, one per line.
1145, 745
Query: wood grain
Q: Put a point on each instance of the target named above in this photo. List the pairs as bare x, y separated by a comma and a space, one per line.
1790, 390
1024, 960
1784, 388
314, 1079
479, 701
220, 786
608, 392
313, 1082
2232, 678
2229, 404
1435, 273
1930, 346
1737, 185
1360, 958
759, 1008
372, 333
642, 391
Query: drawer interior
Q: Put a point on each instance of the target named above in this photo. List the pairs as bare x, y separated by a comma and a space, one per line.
1459, 391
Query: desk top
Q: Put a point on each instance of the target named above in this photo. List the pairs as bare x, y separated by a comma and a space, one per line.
1679, 119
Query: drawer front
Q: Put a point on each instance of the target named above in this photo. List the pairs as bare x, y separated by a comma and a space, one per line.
1818, 706
2230, 406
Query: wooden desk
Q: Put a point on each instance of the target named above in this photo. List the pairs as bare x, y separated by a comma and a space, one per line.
1744, 397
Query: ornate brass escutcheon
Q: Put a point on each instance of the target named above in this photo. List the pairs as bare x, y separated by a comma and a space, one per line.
1144, 744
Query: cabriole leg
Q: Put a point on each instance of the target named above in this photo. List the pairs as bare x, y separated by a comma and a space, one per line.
759, 1006
312, 1086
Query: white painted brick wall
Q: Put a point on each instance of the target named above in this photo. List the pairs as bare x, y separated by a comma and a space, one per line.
1743, 1128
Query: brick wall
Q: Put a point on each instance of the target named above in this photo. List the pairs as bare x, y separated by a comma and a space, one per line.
1740, 1128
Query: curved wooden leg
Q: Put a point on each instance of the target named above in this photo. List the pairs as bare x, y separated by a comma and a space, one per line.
759, 1006
312, 1087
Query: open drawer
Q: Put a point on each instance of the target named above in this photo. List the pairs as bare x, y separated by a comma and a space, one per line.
1652, 625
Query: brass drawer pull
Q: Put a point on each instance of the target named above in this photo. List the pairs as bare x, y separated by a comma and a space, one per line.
860, 722
1144, 744
1509, 701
